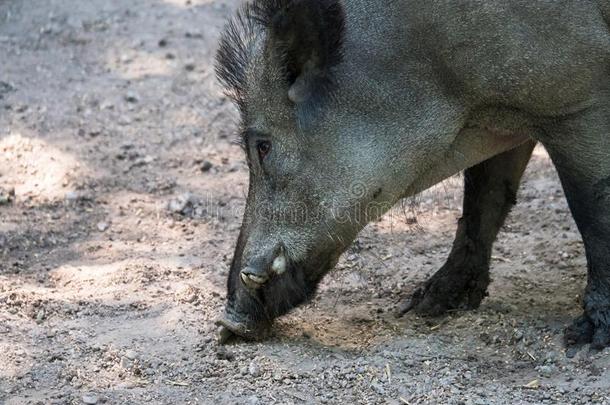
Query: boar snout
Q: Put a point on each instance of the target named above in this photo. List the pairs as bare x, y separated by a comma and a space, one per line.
230, 327
246, 315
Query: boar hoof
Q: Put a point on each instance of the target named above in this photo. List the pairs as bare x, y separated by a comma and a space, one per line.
447, 290
584, 331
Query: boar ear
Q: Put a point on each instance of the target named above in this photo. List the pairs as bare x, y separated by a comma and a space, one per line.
307, 35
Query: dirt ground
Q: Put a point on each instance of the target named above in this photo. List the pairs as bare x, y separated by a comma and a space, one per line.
128, 192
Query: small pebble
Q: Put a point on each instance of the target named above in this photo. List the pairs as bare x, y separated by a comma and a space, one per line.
224, 354
378, 388
182, 204
125, 363
546, 371
131, 354
253, 400
72, 196
254, 370
90, 399
131, 97
7, 196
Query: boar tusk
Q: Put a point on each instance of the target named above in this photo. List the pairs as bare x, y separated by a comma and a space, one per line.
257, 279
279, 265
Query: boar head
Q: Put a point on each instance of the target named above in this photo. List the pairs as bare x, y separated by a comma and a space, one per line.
318, 127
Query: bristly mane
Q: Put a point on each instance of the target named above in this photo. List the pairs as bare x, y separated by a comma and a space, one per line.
322, 24
234, 51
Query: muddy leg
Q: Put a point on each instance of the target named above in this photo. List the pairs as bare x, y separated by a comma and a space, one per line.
583, 163
490, 190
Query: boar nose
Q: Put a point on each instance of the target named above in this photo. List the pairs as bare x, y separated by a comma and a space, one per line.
257, 274
254, 277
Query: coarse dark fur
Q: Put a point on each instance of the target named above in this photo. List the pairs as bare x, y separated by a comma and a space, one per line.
233, 54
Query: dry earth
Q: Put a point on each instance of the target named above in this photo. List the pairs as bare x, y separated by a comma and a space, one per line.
115, 246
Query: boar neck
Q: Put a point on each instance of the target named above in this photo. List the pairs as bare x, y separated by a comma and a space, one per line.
471, 146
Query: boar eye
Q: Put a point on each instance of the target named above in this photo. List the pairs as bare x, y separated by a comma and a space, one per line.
263, 148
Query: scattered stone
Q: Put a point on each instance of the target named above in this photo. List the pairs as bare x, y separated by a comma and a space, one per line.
546, 371
378, 388
254, 369
163, 43
192, 297
189, 67
253, 400
90, 399
128, 152
206, 166
41, 315
72, 196
126, 363
141, 161
92, 132
124, 120
131, 354
78, 196
7, 196
518, 335
107, 105
193, 34
131, 97
223, 354
182, 204
5, 88
102, 226
125, 58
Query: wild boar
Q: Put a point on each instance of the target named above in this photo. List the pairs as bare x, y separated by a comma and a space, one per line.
349, 106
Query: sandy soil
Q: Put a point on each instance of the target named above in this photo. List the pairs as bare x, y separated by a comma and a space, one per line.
128, 192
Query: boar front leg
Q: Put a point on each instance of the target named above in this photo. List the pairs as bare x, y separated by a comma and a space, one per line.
490, 190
